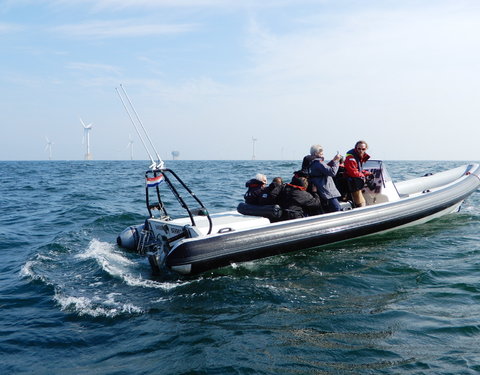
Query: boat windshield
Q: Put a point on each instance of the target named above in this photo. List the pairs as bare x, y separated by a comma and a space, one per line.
378, 165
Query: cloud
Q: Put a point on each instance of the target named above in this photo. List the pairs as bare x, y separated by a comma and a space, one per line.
6, 28
219, 4
366, 47
121, 29
95, 68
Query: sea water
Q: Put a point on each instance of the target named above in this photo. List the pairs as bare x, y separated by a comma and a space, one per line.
73, 302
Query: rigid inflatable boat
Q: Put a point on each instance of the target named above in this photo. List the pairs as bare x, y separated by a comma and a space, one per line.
201, 241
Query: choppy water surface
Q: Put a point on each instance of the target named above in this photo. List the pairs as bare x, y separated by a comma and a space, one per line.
406, 302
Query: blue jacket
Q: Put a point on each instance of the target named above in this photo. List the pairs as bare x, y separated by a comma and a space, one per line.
321, 175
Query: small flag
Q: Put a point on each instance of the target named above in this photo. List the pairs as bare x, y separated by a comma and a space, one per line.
154, 181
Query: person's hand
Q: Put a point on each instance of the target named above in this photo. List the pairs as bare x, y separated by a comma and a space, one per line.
367, 173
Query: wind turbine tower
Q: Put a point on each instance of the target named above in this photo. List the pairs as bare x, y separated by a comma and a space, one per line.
48, 148
130, 145
86, 139
253, 147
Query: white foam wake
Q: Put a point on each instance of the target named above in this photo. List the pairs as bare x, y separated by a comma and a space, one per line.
118, 266
95, 306
27, 271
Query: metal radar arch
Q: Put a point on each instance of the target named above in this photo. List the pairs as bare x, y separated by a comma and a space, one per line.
158, 175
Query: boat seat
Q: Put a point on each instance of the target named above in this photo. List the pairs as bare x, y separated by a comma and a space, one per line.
270, 211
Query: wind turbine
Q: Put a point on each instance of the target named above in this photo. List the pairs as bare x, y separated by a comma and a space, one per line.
86, 139
253, 147
130, 145
49, 148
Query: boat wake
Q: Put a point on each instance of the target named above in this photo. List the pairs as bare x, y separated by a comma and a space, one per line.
98, 281
105, 306
118, 266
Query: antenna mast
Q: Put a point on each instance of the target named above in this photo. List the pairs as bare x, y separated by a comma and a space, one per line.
159, 164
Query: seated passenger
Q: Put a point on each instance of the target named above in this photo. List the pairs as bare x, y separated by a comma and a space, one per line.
272, 191
296, 201
256, 189
355, 158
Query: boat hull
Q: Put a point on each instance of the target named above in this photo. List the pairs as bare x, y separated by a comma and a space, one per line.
196, 255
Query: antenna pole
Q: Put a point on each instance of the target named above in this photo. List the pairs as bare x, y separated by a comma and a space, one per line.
160, 162
135, 126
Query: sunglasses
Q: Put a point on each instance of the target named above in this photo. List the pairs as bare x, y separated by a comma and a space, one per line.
361, 149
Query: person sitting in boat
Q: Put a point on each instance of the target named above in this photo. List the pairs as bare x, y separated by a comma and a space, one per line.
321, 175
296, 201
272, 192
256, 189
354, 172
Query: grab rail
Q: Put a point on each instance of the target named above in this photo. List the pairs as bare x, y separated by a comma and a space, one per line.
167, 175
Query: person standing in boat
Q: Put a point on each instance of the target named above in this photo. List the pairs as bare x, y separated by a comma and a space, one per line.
256, 189
322, 174
307, 160
341, 181
296, 201
354, 160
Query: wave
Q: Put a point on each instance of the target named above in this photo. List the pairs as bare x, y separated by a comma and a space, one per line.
117, 265
86, 283
27, 272
96, 307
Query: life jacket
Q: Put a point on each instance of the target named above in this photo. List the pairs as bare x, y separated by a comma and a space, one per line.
352, 154
297, 187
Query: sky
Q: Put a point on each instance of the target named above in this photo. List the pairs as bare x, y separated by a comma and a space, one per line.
232, 80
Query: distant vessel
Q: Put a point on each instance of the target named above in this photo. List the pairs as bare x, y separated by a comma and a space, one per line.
201, 241
175, 155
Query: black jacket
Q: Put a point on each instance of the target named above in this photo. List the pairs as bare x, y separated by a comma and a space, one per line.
256, 189
271, 194
295, 201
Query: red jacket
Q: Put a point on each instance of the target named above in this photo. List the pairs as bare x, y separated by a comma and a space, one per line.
354, 164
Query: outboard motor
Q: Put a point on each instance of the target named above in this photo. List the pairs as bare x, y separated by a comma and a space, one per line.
130, 237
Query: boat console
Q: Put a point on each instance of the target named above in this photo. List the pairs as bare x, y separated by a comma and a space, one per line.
379, 187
